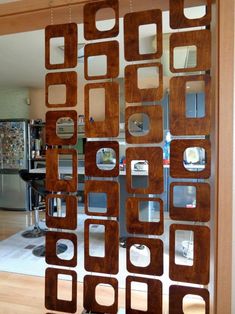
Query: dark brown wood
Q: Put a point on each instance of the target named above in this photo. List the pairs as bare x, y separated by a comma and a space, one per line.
202, 40
134, 94
109, 263
179, 20
53, 182
70, 33
51, 135
154, 157
63, 78
177, 169
89, 301
155, 266
70, 220
51, 256
134, 225
111, 188
103, 128
199, 213
89, 14
108, 48
179, 123
177, 294
155, 133
132, 22
154, 292
51, 291
199, 272
91, 168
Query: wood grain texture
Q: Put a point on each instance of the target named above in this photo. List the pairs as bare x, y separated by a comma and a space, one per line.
133, 93
136, 226
53, 182
179, 20
108, 264
51, 291
155, 132
52, 237
70, 220
177, 169
201, 212
70, 33
177, 294
69, 79
202, 40
91, 168
51, 127
109, 49
132, 22
155, 247
90, 10
89, 301
199, 272
111, 188
154, 297
103, 128
179, 123
154, 157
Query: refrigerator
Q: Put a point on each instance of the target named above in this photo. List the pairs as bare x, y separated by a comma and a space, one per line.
14, 192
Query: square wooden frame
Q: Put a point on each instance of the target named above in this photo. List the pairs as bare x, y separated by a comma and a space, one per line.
154, 156
177, 294
91, 168
111, 188
70, 220
132, 21
103, 128
53, 183
51, 256
155, 267
63, 78
70, 33
89, 15
134, 225
179, 20
51, 288
155, 133
199, 272
108, 48
199, 213
89, 301
202, 40
154, 295
51, 119
179, 123
108, 264
177, 169
134, 94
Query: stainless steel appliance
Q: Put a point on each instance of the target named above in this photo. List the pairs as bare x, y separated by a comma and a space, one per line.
13, 157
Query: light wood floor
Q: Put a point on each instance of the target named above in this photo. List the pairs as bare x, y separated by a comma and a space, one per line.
25, 294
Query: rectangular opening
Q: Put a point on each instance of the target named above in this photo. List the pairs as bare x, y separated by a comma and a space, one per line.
185, 57
97, 65
195, 99
57, 207
148, 77
97, 202
143, 287
65, 249
64, 287
102, 289
97, 240
139, 174
65, 161
57, 94
192, 12
147, 38
196, 300
57, 50
140, 255
97, 104
149, 211
185, 196
184, 243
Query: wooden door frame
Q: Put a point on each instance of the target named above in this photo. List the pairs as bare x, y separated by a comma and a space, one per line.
27, 15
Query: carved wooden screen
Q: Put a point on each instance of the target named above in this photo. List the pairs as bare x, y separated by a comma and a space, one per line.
188, 132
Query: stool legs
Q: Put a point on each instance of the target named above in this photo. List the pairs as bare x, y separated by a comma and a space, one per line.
36, 232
